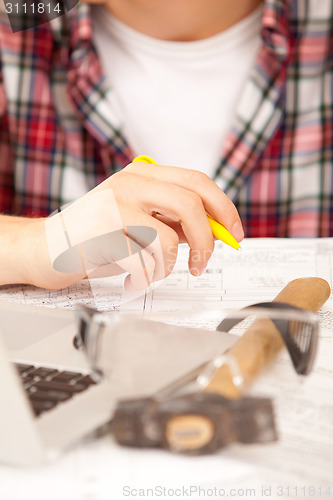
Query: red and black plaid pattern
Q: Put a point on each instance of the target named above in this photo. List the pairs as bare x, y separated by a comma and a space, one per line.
276, 163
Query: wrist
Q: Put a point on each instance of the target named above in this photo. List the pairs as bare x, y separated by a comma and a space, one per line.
38, 268
33, 255
17, 247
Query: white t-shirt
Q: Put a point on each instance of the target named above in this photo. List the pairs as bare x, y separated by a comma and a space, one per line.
175, 100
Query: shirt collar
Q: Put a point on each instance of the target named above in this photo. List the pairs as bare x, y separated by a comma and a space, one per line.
87, 85
261, 105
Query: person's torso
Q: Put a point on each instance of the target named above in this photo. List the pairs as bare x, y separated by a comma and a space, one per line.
276, 163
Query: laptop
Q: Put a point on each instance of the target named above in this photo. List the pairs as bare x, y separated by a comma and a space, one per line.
49, 396
48, 399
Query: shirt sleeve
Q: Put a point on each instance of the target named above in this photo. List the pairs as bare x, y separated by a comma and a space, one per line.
6, 153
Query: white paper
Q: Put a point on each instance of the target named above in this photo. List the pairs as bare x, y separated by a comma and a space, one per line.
232, 279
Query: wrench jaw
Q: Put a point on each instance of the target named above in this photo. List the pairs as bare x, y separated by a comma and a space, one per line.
194, 424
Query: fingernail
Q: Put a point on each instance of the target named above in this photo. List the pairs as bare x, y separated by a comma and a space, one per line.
237, 231
199, 269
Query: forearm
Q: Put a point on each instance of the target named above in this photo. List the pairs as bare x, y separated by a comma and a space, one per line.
16, 248
24, 256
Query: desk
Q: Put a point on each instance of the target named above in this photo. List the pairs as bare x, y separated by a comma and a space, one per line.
299, 466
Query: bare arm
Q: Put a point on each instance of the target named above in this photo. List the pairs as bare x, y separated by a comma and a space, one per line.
17, 247
24, 256
85, 239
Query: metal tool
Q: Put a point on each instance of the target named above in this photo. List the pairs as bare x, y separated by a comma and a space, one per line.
299, 332
204, 421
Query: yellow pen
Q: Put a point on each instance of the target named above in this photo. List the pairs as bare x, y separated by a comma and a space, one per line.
219, 231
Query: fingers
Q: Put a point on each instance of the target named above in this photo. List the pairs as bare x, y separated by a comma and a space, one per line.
145, 248
176, 226
100, 236
134, 221
183, 207
151, 259
216, 203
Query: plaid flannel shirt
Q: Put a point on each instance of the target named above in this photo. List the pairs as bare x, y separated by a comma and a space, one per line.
53, 117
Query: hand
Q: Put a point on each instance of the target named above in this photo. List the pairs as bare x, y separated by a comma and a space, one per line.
133, 222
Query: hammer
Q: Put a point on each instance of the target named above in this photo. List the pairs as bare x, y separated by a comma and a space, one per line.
205, 421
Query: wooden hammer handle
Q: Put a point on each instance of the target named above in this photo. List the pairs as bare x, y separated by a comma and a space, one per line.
261, 343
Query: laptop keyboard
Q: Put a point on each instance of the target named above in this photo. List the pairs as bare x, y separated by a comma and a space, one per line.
47, 387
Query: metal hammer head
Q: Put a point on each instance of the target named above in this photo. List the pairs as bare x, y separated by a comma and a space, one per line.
196, 423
